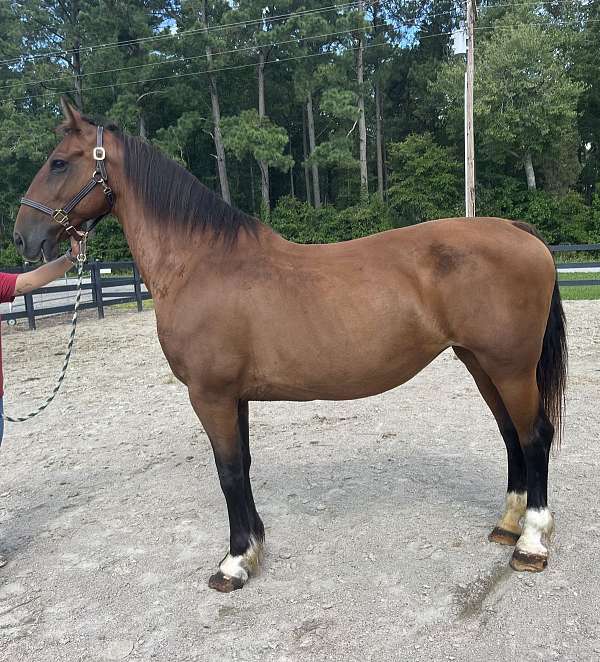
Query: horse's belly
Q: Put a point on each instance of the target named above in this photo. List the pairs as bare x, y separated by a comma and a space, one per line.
331, 377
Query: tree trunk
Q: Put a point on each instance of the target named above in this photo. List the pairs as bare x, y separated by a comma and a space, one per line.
76, 54
264, 184
216, 113
305, 152
529, 172
77, 73
142, 127
362, 124
311, 143
380, 142
252, 197
381, 183
264, 168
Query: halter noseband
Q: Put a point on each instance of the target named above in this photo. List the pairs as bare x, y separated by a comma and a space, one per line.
99, 176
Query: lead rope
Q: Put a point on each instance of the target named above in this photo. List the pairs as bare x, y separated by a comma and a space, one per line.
80, 262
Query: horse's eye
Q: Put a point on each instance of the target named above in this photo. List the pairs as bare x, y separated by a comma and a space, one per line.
58, 164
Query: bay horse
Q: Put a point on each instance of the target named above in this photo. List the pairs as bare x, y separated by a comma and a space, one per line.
242, 315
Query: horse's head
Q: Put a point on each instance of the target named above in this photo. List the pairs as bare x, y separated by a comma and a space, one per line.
68, 170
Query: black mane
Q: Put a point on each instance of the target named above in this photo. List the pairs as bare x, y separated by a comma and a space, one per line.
173, 196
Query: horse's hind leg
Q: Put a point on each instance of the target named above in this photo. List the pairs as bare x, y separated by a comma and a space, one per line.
221, 421
508, 529
522, 399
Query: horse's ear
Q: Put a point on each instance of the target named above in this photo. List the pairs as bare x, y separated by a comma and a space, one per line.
72, 115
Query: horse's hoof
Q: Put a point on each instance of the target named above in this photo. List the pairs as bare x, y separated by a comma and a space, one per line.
503, 537
223, 583
526, 562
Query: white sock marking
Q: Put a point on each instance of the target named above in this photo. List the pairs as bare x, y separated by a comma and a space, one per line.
245, 564
538, 523
514, 509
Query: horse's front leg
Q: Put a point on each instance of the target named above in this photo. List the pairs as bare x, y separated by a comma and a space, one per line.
221, 421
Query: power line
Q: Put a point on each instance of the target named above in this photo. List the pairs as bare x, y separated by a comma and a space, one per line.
193, 57
190, 73
536, 3
205, 71
252, 64
204, 56
178, 35
547, 24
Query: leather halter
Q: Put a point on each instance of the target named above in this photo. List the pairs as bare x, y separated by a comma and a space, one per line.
99, 176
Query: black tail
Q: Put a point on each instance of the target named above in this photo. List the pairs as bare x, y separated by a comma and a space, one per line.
552, 367
551, 370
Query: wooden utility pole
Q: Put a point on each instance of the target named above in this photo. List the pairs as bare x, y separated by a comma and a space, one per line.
263, 165
469, 137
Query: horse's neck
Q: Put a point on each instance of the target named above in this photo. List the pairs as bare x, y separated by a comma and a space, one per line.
153, 249
163, 252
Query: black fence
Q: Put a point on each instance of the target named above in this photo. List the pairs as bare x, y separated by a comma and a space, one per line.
578, 248
109, 290
101, 290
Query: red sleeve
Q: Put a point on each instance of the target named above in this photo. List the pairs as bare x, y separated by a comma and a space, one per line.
8, 282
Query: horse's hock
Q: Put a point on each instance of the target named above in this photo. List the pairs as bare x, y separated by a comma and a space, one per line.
377, 514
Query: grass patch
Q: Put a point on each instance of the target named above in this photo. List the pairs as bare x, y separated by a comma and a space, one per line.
148, 305
576, 292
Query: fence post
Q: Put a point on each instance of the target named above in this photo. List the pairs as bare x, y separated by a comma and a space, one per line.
137, 287
30, 308
97, 288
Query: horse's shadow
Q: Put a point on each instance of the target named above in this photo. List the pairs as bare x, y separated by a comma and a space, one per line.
414, 480
380, 480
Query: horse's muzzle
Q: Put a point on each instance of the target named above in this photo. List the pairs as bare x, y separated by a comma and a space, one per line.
35, 243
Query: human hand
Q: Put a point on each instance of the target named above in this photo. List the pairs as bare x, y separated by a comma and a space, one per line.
75, 247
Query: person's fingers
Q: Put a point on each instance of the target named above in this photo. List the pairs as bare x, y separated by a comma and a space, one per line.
74, 247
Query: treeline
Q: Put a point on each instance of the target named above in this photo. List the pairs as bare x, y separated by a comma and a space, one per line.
329, 120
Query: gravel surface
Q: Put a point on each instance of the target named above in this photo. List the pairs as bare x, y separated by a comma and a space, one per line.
376, 513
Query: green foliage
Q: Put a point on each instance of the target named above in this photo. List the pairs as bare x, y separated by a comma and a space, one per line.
334, 153
177, 140
368, 218
299, 222
560, 219
108, 243
426, 180
340, 104
248, 134
594, 224
537, 92
9, 256
544, 211
525, 101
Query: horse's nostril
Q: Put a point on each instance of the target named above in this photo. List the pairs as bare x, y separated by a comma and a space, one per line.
19, 243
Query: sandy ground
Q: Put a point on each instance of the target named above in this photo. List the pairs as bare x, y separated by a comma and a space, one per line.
376, 511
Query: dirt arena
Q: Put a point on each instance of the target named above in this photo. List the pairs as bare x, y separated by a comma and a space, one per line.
376, 513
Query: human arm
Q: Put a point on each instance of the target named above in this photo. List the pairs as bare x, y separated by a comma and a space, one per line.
33, 280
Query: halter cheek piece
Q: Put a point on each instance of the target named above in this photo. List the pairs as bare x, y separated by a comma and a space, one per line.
99, 176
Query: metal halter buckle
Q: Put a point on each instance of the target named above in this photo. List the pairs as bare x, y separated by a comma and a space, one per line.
99, 153
82, 257
61, 217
